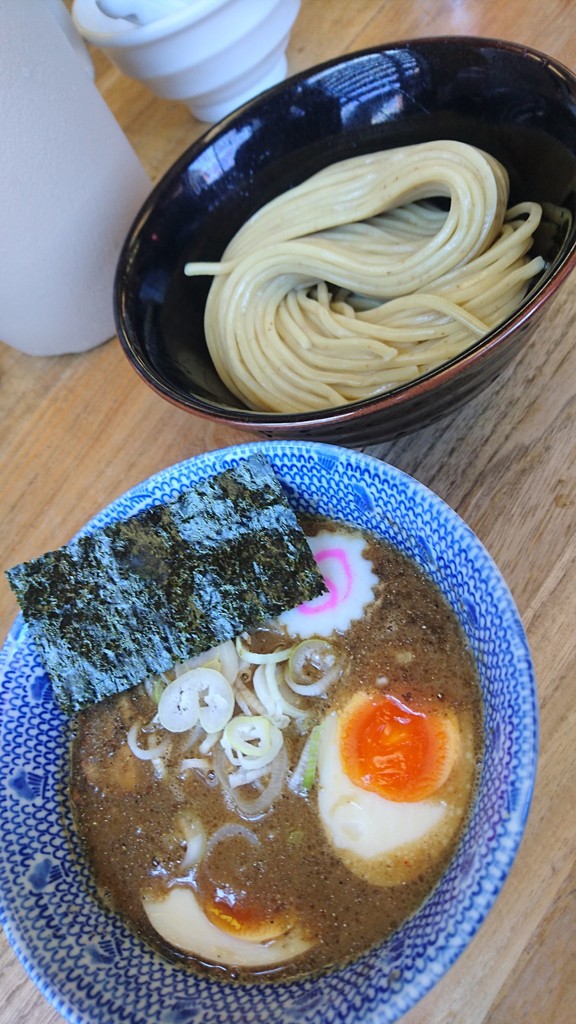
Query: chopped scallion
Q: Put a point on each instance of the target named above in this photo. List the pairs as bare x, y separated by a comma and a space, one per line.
312, 759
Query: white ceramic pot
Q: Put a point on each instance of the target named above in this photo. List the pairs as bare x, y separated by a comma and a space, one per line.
212, 55
70, 182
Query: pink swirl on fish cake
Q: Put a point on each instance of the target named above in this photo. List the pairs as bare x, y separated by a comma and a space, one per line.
350, 582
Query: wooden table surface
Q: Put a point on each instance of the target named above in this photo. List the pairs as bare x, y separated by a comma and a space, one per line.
76, 431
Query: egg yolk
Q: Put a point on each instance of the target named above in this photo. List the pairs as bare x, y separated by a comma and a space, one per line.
402, 752
234, 913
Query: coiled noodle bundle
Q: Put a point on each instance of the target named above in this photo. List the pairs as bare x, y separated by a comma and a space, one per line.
360, 280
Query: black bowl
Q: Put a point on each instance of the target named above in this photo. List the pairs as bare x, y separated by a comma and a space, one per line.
513, 101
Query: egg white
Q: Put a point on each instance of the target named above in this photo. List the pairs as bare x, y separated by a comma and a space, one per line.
180, 920
383, 841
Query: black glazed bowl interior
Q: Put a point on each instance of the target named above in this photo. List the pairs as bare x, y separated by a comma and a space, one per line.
516, 103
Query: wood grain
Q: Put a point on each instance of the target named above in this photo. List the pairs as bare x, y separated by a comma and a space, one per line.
77, 431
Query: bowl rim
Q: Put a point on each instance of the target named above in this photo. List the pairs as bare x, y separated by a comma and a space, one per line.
335, 416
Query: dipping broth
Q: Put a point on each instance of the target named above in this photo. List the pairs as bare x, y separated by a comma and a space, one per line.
309, 827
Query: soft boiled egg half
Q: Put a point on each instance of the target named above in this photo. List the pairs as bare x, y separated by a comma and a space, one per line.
219, 934
394, 783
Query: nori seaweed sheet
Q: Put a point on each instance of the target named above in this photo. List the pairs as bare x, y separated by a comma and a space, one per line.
115, 606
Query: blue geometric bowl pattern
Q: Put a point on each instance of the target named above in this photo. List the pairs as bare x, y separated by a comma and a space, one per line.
88, 964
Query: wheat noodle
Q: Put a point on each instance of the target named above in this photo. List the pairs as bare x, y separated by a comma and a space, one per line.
358, 280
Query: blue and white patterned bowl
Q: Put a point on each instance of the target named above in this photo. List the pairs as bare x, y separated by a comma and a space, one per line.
87, 963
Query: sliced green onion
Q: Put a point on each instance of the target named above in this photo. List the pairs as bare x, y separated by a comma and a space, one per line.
188, 763
229, 661
216, 700
195, 840
296, 836
148, 753
178, 705
251, 799
158, 690
304, 773
223, 658
261, 659
246, 699
200, 694
313, 666
312, 760
267, 689
209, 741
251, 741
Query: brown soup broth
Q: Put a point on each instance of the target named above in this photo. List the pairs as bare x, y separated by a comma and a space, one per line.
132, 820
